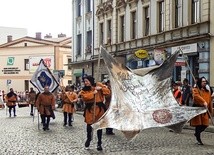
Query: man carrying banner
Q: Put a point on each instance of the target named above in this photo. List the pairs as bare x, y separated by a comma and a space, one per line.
93, 95
45, 105
46, 84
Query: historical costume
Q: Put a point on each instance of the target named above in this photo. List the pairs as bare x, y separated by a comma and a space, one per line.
31, 100
93, 94
201, 98
11, 99
68, 99
46, 104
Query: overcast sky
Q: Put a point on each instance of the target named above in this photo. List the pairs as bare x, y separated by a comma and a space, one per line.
46, 16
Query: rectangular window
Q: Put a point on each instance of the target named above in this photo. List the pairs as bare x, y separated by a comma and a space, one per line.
161, 16
89, 5
122, 28
69, 64
101, 34
69, 82
26, 64
133, 25
195, 11
79, 44
109, 31
146, 19
79, 4
178, 13
89, 41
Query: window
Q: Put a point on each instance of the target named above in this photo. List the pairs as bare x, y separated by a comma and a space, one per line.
195, 11
178, 13
69, 64
89, 5
69, 82
161, 16
122, 28
26, 64
79, 44
146, 19
89, 41
25, 44
109, 31
133, 25
101, 34
79, 8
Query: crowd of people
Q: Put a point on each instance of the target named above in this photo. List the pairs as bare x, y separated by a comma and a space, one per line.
95, 98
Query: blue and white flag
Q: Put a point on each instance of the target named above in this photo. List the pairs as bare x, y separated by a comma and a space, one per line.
43, 77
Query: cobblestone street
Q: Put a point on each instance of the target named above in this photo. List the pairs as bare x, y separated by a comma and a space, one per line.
21, 136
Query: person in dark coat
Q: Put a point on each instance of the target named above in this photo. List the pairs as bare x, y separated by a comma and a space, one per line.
11, 99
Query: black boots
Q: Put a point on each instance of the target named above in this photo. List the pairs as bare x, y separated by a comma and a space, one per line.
99, 137
89, 136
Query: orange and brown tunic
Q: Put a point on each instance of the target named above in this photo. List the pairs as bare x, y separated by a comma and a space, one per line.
32, 97
45, 103
11, 99
89, 98
68, 101
200, 97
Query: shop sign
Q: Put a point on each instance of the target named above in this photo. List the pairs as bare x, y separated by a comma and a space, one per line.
189, 48
34, 62
142, 54
159, 56
11, 70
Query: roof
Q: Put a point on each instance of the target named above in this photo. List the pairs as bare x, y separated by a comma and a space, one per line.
64, 41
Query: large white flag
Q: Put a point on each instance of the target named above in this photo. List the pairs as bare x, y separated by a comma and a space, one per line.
143, 99
42, 77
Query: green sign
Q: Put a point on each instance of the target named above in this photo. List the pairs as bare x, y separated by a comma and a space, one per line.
10, 60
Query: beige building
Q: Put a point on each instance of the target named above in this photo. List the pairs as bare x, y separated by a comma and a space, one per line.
20, 58
161, 27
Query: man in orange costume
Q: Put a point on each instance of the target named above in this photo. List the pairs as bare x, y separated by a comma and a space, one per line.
11, 99
45, 104
69, 98
93, 94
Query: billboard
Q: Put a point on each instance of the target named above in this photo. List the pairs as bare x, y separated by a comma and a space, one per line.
34, 62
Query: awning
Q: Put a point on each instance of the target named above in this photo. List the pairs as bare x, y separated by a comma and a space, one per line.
77, 72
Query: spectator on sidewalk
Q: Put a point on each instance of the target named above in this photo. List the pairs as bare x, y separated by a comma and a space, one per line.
186, 92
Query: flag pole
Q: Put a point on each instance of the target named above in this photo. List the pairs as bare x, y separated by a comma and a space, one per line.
196, 84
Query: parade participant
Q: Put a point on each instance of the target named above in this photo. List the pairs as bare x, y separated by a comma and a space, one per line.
69, 97
186, 92
31, 100
92, 94
45, 104
202, 98
109, 131
177, 93
11, 99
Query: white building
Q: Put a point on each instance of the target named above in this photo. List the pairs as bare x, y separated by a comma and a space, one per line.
20, 58
160, 27
11, 33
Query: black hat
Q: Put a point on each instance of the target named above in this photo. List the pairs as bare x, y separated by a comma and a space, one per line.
91, 79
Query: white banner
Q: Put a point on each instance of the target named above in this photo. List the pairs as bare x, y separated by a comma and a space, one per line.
34, 62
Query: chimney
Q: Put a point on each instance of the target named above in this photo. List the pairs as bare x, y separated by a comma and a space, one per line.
48, 36
9, 38
61, 35
38, 35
